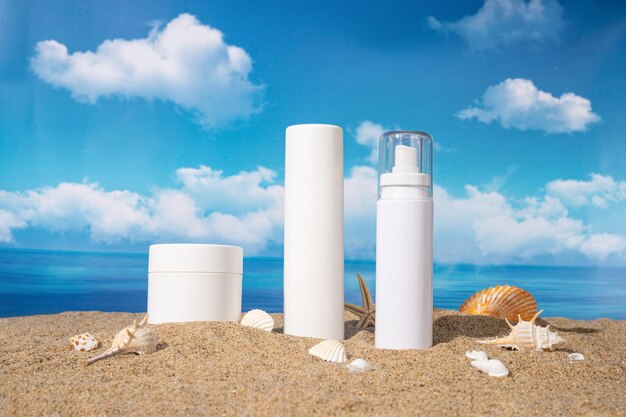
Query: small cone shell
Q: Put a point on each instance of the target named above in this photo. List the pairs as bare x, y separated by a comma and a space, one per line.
503, 301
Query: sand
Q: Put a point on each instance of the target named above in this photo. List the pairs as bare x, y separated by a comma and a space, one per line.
213, 369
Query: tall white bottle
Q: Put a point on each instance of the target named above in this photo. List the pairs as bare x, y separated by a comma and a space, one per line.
404, 242
313, 282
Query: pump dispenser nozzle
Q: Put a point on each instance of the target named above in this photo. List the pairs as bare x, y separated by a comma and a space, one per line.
406, 159
405, 170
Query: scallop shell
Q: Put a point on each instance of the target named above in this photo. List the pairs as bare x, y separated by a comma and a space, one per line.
574, 357
137, 338
359, 366
258, 319
330, 351
84, 342
503, 301
492, 367
527, 335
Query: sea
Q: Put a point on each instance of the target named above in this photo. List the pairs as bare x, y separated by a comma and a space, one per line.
46, 282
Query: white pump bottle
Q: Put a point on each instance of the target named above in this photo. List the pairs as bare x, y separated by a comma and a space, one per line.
404, 242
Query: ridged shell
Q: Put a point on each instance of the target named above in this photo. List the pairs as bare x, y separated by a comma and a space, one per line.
503, 301
527, 335
492, 367
136, 338
84, 342
359, 366
330, 351
258, 319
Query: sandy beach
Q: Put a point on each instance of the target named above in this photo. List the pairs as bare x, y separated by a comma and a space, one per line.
226, 369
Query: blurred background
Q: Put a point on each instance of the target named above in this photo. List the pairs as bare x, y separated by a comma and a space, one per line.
124, 124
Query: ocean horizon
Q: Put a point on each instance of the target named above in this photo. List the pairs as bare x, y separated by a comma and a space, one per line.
38, 281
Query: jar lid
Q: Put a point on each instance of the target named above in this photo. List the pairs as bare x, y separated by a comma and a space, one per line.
194, 257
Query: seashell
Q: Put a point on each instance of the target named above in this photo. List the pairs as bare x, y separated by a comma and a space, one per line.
478, 355
359, 365
492, 367
84, 342
132, 339
258, 319
330, 351
527, 335
503, 301
574, 357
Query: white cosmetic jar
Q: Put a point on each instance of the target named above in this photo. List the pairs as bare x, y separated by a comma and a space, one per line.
194, 282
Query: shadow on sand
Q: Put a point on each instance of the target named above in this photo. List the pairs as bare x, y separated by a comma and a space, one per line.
448, 327
350, 329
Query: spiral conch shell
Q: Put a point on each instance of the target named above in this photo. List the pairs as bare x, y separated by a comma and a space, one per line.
258, 319
503, 301
132, 339
527, 335
84, 342
330, 351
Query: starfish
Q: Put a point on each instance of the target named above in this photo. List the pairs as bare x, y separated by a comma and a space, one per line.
367, 313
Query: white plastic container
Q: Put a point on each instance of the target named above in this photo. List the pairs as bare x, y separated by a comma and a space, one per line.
194, 282
313, 282
404, 242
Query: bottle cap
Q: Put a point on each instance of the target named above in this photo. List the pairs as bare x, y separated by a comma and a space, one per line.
314, 154
405, 159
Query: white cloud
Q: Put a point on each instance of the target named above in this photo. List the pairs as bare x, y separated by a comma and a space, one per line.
367, 134
518, 103
484, 226
185, 63
237, 193
487, 227
507, 22
207, 207
599, 191
360, 192
8, 223
481, 226
601, 246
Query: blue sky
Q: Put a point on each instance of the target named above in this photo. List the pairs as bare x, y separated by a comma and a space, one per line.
126, 123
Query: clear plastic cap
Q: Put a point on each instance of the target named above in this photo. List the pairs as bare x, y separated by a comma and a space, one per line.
405, 158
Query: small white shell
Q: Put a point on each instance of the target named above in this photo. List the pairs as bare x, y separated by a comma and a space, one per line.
330, 351
258, 319
477, 355
359, 365
491, 367
84, 342
575, 357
